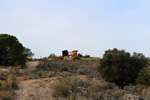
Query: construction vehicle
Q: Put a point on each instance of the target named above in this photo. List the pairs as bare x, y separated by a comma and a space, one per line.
74, 53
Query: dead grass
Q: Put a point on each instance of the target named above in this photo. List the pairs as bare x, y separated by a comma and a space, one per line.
5, 96
61, 88
101, 90
7, 85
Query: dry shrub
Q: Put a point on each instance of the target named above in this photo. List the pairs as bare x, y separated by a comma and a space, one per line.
101, 85
7, 84
64, 87
84, 71
96, 88
101, 90
146, 94
7, 97
116, 95
4, 95
83, 98
134, 89
61, 88
11, 82
4, 85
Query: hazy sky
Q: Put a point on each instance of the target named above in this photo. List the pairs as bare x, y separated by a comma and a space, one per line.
90, 26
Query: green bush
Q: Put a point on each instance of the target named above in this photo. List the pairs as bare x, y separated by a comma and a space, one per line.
65, 69
52, 55
144, 78
86, 56
120, 67
77, 58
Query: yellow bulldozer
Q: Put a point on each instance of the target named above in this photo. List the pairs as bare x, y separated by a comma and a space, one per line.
74, 53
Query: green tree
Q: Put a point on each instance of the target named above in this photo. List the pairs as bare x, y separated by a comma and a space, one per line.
144, 78
12, 51
28, 53
52, 55
120, 67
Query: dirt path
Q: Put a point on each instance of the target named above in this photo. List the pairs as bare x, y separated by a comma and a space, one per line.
35, 89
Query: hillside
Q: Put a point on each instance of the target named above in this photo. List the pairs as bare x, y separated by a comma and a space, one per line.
65, 80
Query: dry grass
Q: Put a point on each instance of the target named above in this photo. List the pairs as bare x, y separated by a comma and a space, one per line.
5, 93
7, 85
70, 87
101, 90
5, 96
61, 88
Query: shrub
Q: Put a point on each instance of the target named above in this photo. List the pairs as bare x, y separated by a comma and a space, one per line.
77, 58
83, 83
11, 81
52, 55
61, 88
67, 86
7, 97
144, 78
65, 69
86, 56
120, 67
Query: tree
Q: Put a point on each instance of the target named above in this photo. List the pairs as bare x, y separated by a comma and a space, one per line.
12, 51
144, 78
28, 53
120, 67
52, 55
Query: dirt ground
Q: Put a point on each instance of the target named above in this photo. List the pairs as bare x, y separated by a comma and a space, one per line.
35, 89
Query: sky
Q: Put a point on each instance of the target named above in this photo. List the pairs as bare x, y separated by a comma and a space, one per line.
89, 26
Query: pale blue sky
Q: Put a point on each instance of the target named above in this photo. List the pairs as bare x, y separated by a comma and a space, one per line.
90, 26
